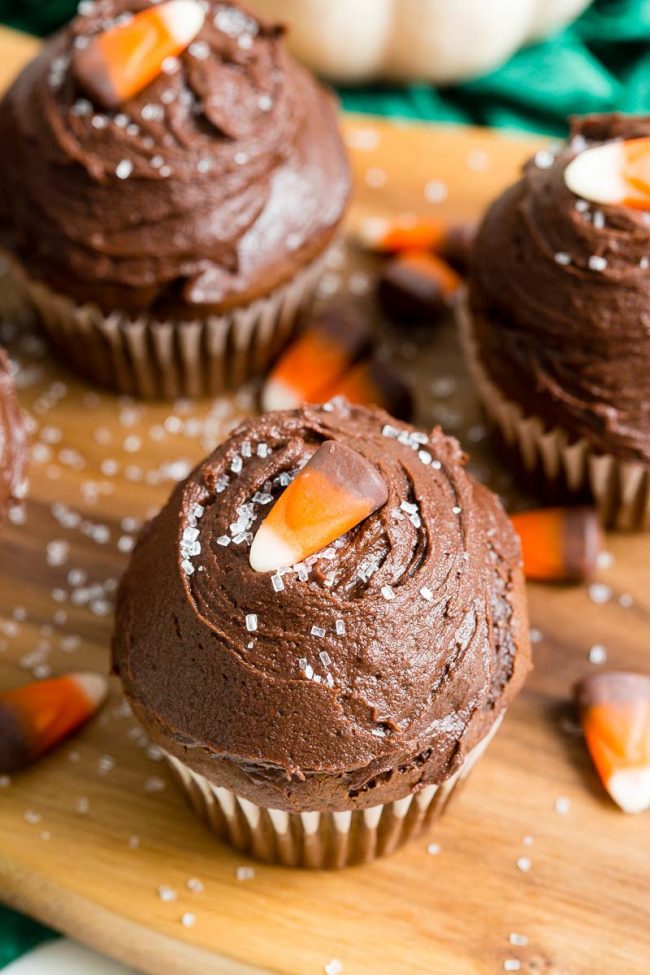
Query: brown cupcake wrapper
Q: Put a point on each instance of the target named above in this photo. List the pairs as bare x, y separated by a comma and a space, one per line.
320, 840
167, 359
567, 467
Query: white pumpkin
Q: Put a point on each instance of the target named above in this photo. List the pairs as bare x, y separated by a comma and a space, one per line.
435, 40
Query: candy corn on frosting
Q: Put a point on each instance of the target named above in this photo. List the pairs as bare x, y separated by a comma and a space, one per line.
328, 614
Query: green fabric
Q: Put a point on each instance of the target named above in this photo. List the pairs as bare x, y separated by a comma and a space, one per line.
601, 63
19, 935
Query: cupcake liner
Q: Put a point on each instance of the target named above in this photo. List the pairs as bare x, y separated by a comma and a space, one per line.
320, 840
563, 465
167, 359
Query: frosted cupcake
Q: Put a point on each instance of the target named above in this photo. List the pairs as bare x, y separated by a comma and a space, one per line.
320, 714
170, 242
558, 327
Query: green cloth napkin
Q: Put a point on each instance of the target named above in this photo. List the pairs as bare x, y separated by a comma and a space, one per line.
601, 63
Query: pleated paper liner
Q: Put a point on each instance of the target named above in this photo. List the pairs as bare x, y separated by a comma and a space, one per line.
562, 465
320, 840
171, 359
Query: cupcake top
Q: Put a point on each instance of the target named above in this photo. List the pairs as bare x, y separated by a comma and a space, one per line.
368, 670
13, 445
210, 187
560, 296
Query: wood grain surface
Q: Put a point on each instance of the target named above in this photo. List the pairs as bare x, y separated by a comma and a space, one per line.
533, 852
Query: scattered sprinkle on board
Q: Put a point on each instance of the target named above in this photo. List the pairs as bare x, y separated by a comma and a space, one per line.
91, 488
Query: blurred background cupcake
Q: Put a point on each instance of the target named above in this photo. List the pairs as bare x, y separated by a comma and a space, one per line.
169, 237
558, 326
321, 710
13, 443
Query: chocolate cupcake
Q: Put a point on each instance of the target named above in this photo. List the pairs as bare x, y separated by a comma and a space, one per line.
321, 714
558, 328
169, 244
13, 442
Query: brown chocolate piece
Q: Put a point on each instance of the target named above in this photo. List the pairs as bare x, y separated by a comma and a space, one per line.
415, 625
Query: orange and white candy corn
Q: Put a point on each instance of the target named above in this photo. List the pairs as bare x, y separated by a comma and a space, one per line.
406, 232
374, 383
121, 61
559, 544
336, 490
329, 345
616, 173
389, 235
615, 714
35, 717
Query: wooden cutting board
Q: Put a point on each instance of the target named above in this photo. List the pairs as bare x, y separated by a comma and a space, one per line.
90, 836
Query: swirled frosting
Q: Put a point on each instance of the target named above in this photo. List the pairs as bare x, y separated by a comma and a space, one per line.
13, 442
210, 187
366, 672
560, 296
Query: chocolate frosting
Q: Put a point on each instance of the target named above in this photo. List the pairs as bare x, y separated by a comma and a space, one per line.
13, 441
565, 337
366, 673
209, 188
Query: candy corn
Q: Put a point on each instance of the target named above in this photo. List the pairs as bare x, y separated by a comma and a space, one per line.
335, 491
121, 61
417, 286
37, 716
387, 235
373, 383
615, 715
616, 173
559, 544
320, 355
406, 232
